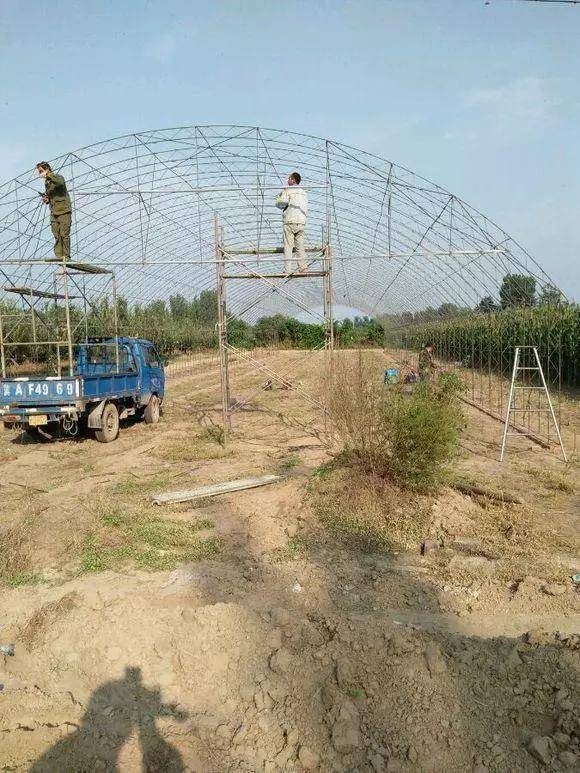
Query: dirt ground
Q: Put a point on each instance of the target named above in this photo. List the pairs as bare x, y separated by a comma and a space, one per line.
243, 634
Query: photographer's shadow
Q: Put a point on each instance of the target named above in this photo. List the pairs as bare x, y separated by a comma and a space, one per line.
115, 711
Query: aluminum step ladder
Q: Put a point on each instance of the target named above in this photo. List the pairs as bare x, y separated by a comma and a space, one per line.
511, 407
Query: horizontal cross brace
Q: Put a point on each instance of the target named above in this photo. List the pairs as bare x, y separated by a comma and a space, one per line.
305, 275
530, 410
207, 189
211, 261
523, 434
10, 344
264, 250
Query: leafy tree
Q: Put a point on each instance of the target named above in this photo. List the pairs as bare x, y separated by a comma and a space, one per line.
204, 308
448, 310
178, 307
550, 296
487, 305
517, 290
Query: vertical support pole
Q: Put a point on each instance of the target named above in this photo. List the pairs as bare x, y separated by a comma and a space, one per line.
86, 311
33, 325
57, 327
389, 207
68, 321
2, 352
222, 328
115, 321
550, 403
509, 405
328, 316
33, 318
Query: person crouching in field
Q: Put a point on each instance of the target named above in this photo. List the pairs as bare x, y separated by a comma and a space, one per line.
427, 366
58, 200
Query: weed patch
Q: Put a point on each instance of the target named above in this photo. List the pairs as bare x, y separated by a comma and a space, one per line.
16, 556
289, 462
134, 485
554, 481
150, 542
292, 550
194, 449
365, 512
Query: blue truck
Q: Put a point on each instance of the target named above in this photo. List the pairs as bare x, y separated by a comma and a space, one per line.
111, 379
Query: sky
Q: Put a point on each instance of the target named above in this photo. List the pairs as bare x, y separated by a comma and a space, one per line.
480, 97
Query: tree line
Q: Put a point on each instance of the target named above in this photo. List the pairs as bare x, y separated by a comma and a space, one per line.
180, 325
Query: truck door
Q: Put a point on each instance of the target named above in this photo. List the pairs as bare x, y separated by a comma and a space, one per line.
153, 376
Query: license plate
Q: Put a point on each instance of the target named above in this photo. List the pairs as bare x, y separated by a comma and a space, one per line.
38, 420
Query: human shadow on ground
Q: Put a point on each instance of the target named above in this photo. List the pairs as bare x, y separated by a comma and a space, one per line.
115, 711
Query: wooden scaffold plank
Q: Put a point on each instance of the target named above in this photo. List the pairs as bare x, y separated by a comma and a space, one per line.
214, 489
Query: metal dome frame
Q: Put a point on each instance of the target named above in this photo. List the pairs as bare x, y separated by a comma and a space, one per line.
145, 208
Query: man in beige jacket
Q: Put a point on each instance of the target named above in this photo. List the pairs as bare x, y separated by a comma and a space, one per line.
293, 201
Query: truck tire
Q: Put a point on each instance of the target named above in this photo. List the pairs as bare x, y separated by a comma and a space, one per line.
152, 410
37, 434
109, 424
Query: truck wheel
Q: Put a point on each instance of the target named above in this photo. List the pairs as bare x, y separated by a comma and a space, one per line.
110, 424
152, 410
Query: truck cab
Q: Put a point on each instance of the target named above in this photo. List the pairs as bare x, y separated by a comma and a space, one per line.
110, 379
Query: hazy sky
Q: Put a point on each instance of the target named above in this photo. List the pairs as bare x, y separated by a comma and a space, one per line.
482, 98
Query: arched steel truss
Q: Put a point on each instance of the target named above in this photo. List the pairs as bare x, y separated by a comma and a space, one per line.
144, 206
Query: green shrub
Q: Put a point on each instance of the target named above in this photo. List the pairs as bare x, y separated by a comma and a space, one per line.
423, 432
407, 434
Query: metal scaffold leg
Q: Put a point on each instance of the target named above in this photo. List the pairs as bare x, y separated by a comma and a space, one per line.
222, 328
222, 255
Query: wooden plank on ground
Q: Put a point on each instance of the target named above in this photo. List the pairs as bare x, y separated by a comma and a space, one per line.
482, 491
522, 430
214, 489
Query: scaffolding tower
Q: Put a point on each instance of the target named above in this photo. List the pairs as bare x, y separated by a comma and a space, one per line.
52, 332
229, 267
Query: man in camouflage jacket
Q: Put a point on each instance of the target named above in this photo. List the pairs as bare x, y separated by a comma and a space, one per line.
58, 200
427, 365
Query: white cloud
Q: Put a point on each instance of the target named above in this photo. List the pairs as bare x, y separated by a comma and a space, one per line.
161, 48
520, 104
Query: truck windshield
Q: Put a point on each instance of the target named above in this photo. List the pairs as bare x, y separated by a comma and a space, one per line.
105, 356
151, 357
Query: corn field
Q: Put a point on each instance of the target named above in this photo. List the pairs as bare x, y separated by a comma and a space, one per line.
487, 341
482, 347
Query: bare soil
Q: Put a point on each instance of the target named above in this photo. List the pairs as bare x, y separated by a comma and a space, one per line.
289, 645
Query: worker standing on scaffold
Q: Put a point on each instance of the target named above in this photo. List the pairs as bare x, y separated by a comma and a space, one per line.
293, 201
57, 198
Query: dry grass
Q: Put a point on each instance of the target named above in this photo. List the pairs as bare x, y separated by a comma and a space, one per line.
16, 566
122, 534
33, 632
554, 481
365, 512
17, 540
513, 537
205, 446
